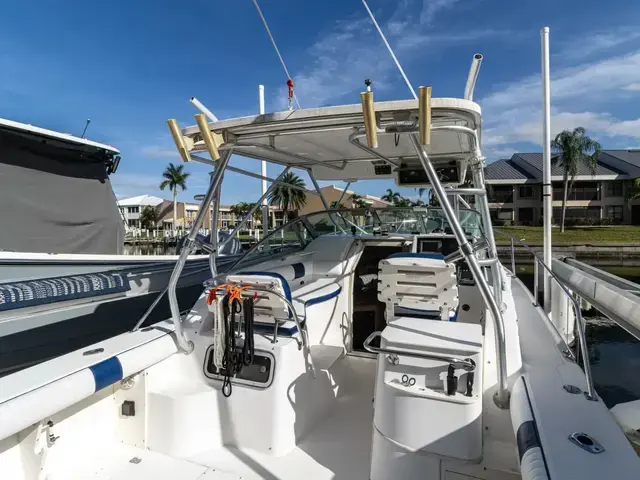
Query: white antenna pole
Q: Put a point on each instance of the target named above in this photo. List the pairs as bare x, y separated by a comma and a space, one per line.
384, 39
546, 165
203, 109
265, 205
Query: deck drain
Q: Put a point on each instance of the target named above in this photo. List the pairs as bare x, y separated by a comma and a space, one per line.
135, 460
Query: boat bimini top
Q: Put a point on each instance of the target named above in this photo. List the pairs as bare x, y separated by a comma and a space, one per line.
331, 141
426, 142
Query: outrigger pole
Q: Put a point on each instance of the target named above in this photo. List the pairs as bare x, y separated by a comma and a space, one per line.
547, 212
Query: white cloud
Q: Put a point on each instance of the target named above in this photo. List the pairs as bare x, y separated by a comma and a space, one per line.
156, 151
589, 45
352, 51
500, 152
431, 8
127, 184
513, 113
634, 87
630, 128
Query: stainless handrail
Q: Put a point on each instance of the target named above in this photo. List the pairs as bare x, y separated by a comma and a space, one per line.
591, 392
466, 364
476, 246
304, 341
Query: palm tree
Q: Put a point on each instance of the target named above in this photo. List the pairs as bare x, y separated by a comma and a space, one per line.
335, 204
574, 147
148, 217
390, 196
358, 201
421, 192
287, 198
401, 202
240, 210
634, 189
174, 177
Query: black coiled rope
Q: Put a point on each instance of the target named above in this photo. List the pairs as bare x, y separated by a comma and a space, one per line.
234, 359
248, 349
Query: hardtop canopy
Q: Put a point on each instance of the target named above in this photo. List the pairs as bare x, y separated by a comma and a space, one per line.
327, 139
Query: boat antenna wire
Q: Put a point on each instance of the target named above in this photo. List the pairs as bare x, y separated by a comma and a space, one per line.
284, 66
384, 39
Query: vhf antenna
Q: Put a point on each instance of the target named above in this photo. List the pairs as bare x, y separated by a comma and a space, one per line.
85, 127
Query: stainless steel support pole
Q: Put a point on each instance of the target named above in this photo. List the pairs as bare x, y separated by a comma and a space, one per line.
501, 397
324, 200
463, 202
513, 258
213, 163
252, 211
157, 300
535, 282
317, 187
265, 206
185, 345
215, 211
343, 193
483, 205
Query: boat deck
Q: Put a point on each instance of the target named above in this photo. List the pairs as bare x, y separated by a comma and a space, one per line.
339, 447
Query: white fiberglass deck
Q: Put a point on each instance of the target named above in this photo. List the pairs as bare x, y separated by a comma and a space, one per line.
337, 447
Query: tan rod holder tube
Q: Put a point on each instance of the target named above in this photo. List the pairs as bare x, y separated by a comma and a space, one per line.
424, 114
369, 114
209, 141
179, 139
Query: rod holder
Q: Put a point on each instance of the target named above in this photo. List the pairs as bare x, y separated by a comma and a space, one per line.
472, 77
424, 114
209, 141
180, 141
369, 114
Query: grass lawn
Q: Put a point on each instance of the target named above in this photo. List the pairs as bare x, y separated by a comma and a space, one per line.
578, 235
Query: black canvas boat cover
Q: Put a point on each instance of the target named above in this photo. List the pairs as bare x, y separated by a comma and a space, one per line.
56, 197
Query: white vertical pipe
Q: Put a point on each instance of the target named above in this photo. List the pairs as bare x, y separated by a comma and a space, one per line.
546, 165
198, 104
265, 205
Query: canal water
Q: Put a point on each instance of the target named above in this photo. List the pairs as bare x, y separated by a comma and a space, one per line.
145, 249
614, 354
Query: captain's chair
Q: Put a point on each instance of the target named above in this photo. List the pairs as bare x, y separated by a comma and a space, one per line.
418, 285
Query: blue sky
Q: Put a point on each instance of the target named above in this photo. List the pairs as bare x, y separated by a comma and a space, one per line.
129, 66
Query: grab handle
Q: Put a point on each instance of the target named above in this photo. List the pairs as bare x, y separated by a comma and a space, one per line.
467, 364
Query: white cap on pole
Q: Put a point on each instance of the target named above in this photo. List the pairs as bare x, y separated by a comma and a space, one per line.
265, 206
547, 211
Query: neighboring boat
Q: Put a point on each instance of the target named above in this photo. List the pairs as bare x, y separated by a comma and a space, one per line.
64, 282
349, 344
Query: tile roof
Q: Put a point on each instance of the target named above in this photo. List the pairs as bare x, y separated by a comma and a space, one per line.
506, 170
628, 156
535, 160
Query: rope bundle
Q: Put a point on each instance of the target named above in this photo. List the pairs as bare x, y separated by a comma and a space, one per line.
227, 358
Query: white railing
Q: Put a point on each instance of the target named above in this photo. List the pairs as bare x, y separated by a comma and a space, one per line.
573, 298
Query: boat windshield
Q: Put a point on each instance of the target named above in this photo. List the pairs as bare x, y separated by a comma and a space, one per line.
297, 234
413, 221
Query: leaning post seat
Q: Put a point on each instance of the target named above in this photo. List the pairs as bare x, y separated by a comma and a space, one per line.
418, 285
